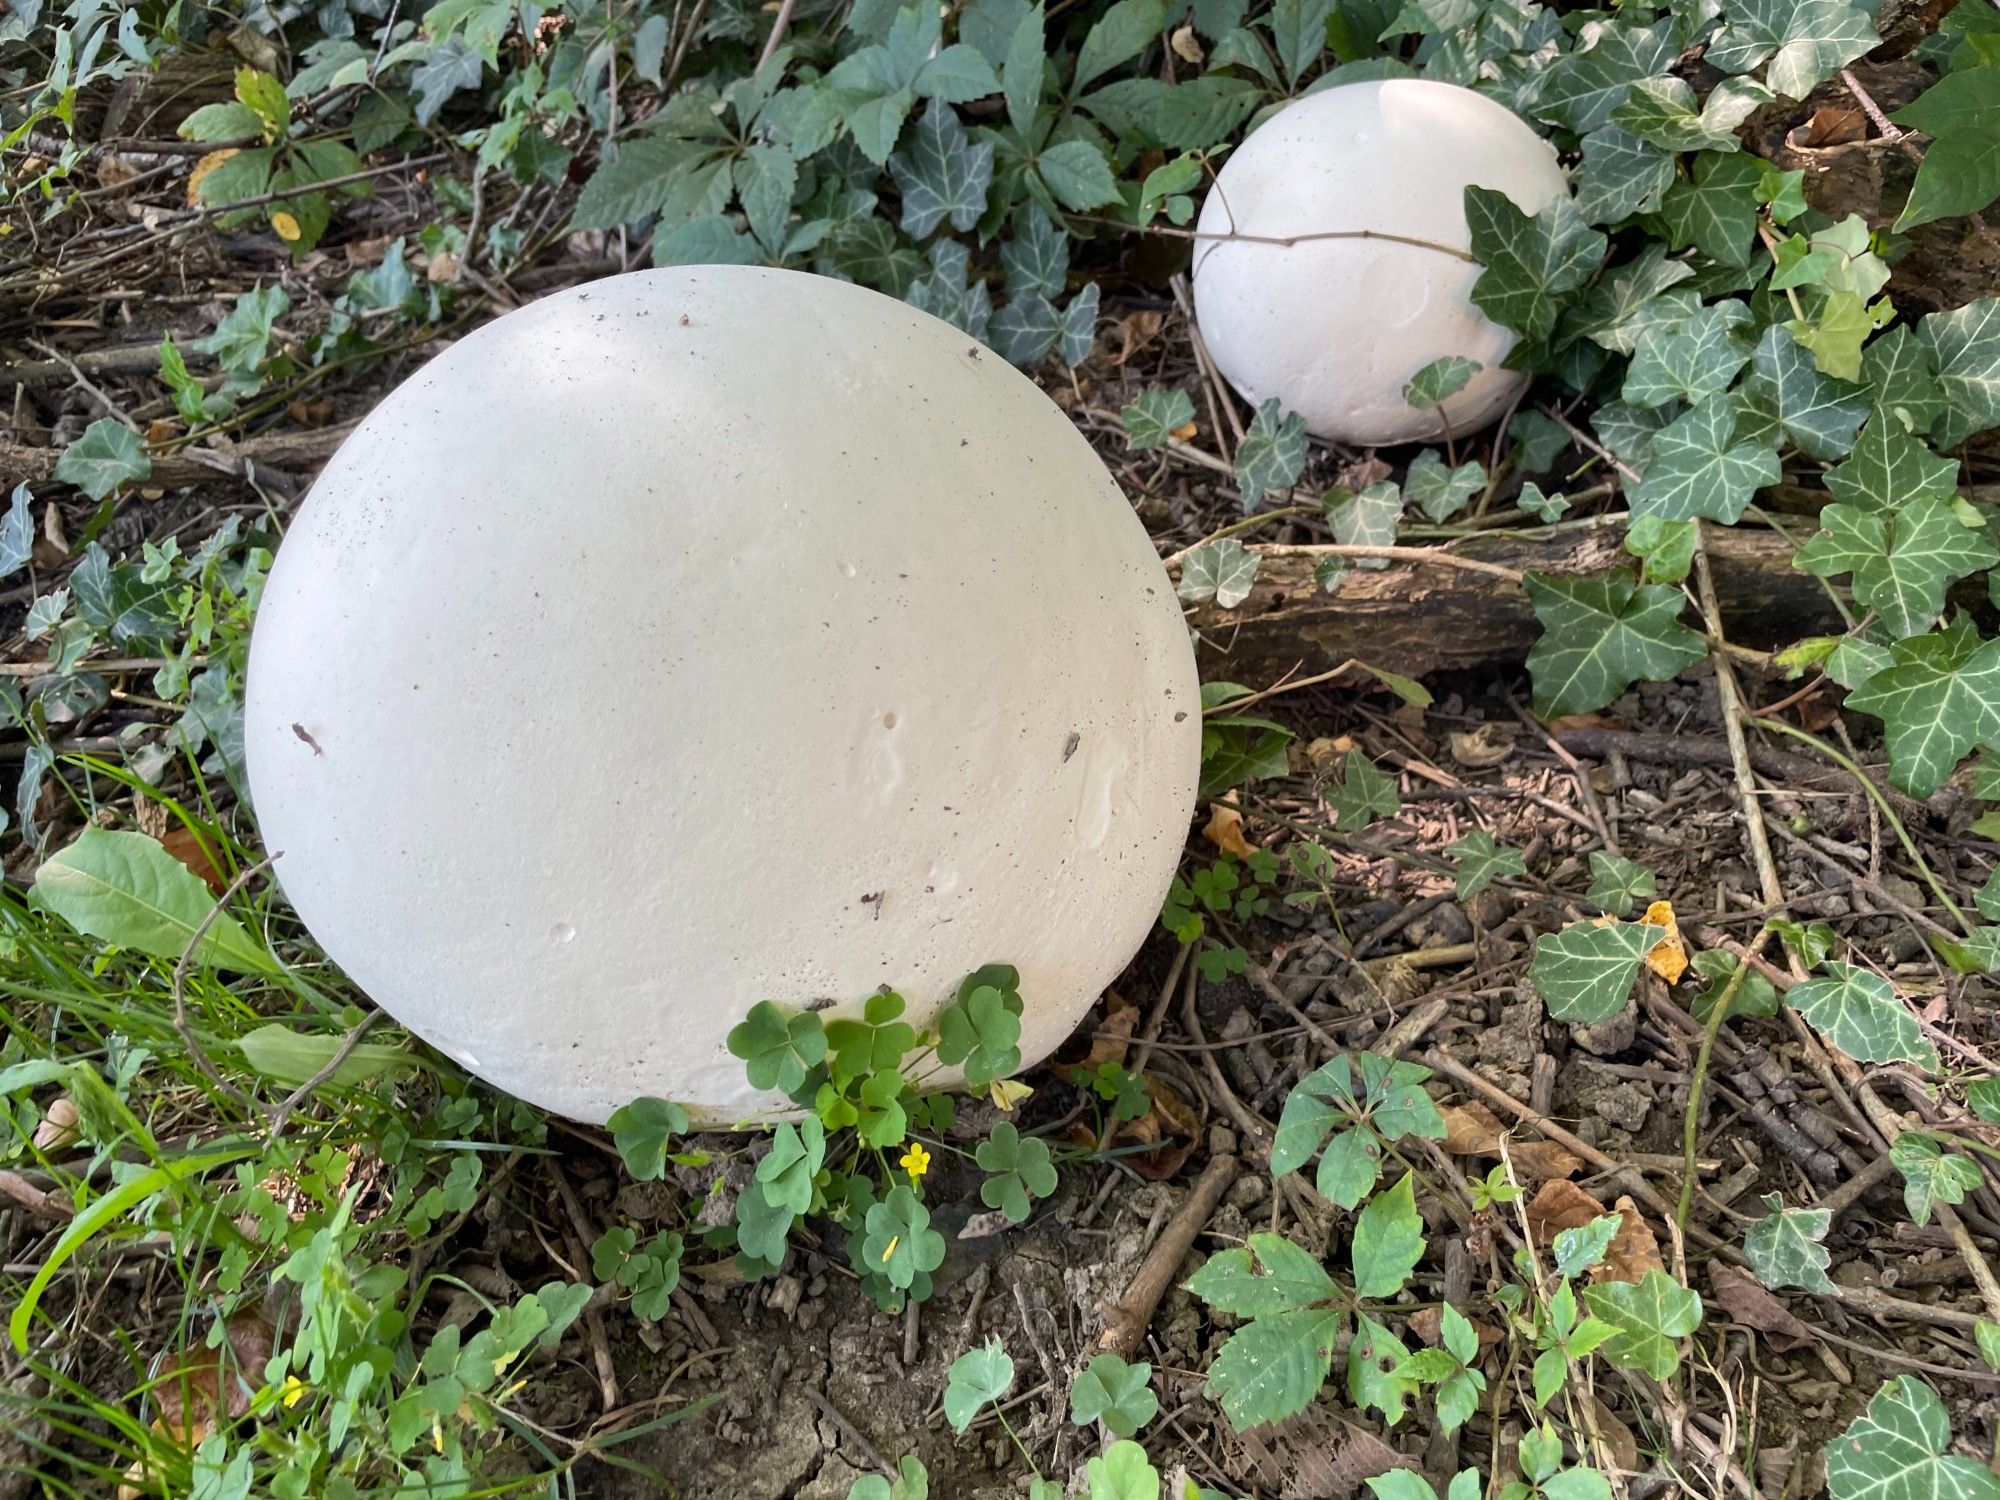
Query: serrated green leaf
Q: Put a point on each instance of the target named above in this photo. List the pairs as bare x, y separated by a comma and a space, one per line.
1373, 1360
1079, 176
1584, 973
1273, 1367
1272, 1275
1859, 1013
1388, 1241
1121, 34
1784, 1247
1532, 265
1938, 699
1601, 635
1649, 1318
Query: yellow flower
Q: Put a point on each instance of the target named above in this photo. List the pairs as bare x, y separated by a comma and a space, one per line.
293, 1391
916, 1161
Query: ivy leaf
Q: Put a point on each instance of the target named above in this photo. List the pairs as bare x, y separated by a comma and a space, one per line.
1272, 454
1897, 370
1583, 90
1019, 1170
1715, 211
1110, 1391
1584, 973
17, 532
1816, 412
942, 174
1362, 795
1273, 1367
1601, 635
1388, 1241
1895, 1451
1272, 1275
1964, 346
1859, 1013
1804, 41
1477, 861
1439, 380
1649, 1318
1155, 416
1547, 509
1631, 300
1693, 363
1222, 571
642, 1131
1438, 492
1579, 1248
1368, 519
1662, 111
1939, 697
1784, 1247
1888, 469
1532, 265
1616, 883
1077, 327
1665, 548
976, 1377
1699, 469
1960, 172
1621, 175
778, 1050
1931, 1175
108, 456
1902, 561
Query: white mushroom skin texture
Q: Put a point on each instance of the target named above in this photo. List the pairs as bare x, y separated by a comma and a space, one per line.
707, 636
1335, 328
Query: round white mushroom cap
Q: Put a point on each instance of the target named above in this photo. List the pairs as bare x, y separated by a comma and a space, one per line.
1335, 327
707, 636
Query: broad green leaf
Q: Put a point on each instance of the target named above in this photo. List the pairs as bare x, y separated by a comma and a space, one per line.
1902, 560
1964, 346
1649, 1318
1079, 176
1223, 571
1154, 416
1373, 1359
1272, 454
1273, 1275
1803, 42
289, 1057
1896, 1451
1298, 30
1698, 469
1859, 1013
1584, 973
1784, 1247
1786, 388
976, 1377
1123, 32
1441, 492
1110, 1391
1601, 635
642, 1130
1121, 1472
125, 889
1715, 211
1960, 171
943, 176
108, 456
1897, 370
1579, 1248
1931, 1175
1616, 883
1388, 1241
1477, 861
1023, 66
1584, 89
1939, 697
1533, 265
1621, 175
1350, 1167
1273, 1367
1889, 469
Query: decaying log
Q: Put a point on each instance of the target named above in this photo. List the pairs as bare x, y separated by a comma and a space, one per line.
295, 452
1420, 618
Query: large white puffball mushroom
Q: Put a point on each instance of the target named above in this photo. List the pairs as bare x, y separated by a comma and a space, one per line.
708, 636
1335, 327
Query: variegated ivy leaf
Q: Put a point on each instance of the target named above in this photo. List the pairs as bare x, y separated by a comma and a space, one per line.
1901, 382
1931, 1175
1896, 1451
1628, 430
942, 174
1036, 259
1662, 111
1784, 1247
109, 454
1272, 454
1441, 492
1859, 1013
1785, 392
1964, 346
1938, 698
1477, 861
1626, 300
1600, 635
1700, 468
951, 292
1616, 883
1803, 41
1582, 90
1715, 211
1362, 794
1694, 362
1222, 571
1621, 175
1651, 1317
1155, 416
1665, 548
1368, 519
1533, 264
1547, 509
1902, 561
1438, 380
1584, 973
1889, 469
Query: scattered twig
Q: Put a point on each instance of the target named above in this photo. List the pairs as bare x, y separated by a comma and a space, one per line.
1126, 1320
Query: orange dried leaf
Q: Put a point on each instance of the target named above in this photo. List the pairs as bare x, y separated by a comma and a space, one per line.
1225, 831
202, 168
1669, 957
1633, 1250
1559, 1205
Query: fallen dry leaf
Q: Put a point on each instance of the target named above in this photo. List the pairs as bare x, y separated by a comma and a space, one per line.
1669, 958
1739, 1294
1633, 1251
1186, 46
1472, 1130
200, 1386
188, 847
1617, 1437
1559, 1205
1427, 1323
1480, 749
1225, 831
1830, 125
1324, 753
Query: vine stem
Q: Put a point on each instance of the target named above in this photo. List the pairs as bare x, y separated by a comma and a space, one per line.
1691, 1127
1847, 764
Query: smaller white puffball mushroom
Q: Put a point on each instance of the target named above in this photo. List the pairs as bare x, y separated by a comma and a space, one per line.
707, 636
1336, 327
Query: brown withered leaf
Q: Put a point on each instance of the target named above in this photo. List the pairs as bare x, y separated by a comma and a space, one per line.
1313, 1456
57, 1132
1225, 830
188, 847
1829, 125
196, 1389
1633, 1251
1471, 1129
1427, 1323
1739, 1294
1617, 1436
1669, 957
1481, 749
1559, 1205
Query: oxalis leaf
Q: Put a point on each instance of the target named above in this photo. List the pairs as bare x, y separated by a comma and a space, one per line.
1584, 973
1112, 1392
125, 889
1601, 635
1895, 1451
1859, 1013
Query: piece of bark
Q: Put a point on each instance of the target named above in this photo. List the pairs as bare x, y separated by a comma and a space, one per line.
292, 451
